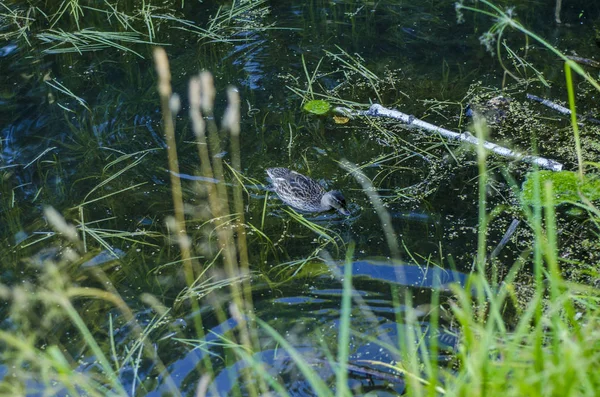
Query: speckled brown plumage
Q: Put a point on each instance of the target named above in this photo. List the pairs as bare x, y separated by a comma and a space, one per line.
303, 193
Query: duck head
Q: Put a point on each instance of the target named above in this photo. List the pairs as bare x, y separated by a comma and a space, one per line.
335, 200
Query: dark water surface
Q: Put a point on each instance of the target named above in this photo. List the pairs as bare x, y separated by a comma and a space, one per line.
56, 151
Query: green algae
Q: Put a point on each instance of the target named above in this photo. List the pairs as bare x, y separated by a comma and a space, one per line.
567, 186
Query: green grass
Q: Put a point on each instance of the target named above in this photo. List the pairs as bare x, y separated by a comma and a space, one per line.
60, 29
61, 42
16, 23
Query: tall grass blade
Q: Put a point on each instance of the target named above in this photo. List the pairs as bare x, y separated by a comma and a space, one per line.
344, 327
319, 387
571, 93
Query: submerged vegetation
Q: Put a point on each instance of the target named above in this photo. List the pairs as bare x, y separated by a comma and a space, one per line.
143, 252
138, 22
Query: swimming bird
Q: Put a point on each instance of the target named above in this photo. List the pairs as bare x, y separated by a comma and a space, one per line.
302, 193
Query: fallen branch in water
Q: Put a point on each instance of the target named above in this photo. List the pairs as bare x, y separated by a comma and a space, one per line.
380, 111
550, 104
561, 109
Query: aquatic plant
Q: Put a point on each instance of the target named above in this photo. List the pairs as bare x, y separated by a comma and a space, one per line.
134, 29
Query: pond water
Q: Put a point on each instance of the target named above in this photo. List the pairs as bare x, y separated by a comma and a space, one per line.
82, 132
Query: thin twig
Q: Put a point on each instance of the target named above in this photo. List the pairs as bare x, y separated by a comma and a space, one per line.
561, 109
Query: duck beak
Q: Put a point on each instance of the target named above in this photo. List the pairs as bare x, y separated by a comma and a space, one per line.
344, 211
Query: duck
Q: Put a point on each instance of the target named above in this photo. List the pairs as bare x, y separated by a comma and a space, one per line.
303, 193
495, 110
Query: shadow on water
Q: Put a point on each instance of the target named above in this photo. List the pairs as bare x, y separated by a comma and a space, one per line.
307, 312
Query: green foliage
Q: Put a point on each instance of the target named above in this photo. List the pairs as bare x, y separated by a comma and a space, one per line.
568, 187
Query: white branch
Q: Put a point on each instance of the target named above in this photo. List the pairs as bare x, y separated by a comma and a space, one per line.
561, 109
550, 104
380, 111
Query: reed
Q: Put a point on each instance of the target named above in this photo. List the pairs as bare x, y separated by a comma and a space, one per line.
233, 248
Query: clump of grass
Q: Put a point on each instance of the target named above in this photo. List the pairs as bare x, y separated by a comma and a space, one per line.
62, 29
61, 42
16, 23
549, 338
40, 363
555, 332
